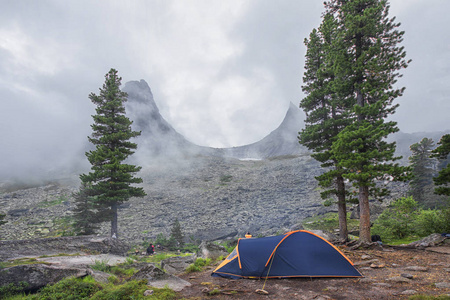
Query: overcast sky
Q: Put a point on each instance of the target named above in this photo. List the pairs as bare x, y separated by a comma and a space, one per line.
222, 72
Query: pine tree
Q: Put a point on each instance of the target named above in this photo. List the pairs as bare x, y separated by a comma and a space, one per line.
422, 168
368, 62
111, 181
2, 216
86, 214
176, 233
443, 179
326, 112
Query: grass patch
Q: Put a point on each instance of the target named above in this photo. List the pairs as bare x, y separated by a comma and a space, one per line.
428, 297
198, 265
101, 265
88, 288
60, 254
21, 261
328, 222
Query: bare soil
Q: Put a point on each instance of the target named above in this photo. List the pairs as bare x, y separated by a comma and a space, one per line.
382, 270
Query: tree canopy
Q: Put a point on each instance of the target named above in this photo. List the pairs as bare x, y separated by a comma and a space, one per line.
111, 181
443, 179
350, 83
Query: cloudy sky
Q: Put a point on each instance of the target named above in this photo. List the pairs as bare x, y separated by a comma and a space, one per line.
222, 72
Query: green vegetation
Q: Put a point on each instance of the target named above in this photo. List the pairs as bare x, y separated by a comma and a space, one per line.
176, 235
328, 222
198, 265
404, 221
88, 288
101, 265
429, 297
422, 168
226, 178
20, 261
442, 181
111, 181
11, 289
352, 64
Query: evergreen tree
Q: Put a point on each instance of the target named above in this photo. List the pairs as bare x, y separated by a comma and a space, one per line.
422, 168
326, 112
2, 216
368, 62
176, 233
111, 181
86, 213
443, 179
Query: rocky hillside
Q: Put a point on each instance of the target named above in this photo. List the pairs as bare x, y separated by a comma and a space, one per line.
212, 197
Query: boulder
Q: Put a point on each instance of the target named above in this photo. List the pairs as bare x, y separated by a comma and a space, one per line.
211, 250
38, 275
177, 264
429, 241
158, 278
55, 245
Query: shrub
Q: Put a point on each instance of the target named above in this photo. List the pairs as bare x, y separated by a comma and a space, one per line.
70, 288
432, 221
198, 265
130, 290
396, 222
12, 289
101, 265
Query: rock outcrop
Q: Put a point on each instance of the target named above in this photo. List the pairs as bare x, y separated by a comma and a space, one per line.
68, 245
36, 276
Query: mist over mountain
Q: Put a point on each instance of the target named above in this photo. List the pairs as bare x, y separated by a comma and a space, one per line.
159, 139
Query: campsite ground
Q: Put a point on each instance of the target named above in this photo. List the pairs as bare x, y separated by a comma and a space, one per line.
389, 273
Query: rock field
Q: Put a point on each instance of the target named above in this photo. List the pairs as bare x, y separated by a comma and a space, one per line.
212, 197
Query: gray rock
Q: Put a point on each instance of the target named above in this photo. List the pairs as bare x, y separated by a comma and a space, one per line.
409, 292
177, 264
382, 284
406, 275
398, 279
365, 262
211, 250
417, 268
429, 241
366, 280
99, 275
56, 245
158, 278
442, 285
38, 275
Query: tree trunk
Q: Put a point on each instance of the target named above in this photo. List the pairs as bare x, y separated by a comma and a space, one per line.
342, 209
364, 219
114, 233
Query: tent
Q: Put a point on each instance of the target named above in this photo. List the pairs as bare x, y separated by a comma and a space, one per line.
294, 254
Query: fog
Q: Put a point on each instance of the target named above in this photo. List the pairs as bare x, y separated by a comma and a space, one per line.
222, 72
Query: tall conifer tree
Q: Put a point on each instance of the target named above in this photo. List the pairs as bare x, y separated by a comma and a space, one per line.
111, 181
369, 63
326, 112
443, 179
422, 168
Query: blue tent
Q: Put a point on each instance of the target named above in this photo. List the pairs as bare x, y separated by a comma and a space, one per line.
294, 254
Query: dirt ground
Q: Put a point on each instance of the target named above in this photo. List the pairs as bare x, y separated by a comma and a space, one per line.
384, 271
